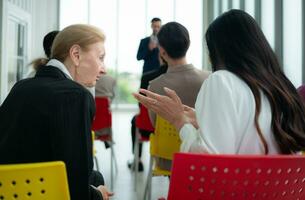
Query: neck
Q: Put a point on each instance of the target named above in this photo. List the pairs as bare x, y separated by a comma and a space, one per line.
71, 68
177, 62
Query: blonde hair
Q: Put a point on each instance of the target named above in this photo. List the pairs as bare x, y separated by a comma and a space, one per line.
80, 34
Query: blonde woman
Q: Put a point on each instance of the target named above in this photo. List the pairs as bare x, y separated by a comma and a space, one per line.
48, 117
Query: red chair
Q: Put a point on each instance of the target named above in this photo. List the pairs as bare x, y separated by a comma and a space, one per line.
103, 120
199, 176
143, 123
103, 116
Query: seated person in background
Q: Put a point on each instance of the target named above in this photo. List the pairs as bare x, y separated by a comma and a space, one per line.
105, 88
301, 91
247, 106
144, 84
47, 45
62, 109
184, 78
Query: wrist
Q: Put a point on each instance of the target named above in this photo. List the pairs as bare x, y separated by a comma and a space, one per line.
179, 123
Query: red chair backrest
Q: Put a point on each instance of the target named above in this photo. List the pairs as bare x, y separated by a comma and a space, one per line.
199, 176
103, 116
143, 121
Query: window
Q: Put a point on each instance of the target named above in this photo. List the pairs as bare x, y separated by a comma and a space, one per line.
216, 8
236, 4
16, 51
292, 47
193, 22
225, 5
267, 24
250, 7
72, 12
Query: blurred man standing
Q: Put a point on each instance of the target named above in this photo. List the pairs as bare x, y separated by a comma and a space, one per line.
148, 49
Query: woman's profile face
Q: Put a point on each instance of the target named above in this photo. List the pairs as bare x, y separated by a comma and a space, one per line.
91, 64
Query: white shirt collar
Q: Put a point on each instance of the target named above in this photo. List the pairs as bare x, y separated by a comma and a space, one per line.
56, 63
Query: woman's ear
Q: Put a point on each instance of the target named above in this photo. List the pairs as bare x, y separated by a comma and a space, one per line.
74, 52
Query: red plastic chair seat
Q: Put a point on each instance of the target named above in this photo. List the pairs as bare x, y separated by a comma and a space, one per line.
199, 176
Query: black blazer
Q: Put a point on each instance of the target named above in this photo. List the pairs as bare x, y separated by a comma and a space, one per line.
150, 57
48, 118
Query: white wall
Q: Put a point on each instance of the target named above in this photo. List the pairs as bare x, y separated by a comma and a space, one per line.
41, 16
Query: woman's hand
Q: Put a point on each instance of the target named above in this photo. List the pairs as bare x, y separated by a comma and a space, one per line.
168, 107
105, 193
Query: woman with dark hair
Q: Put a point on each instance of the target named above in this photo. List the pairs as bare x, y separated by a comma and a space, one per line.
247, 106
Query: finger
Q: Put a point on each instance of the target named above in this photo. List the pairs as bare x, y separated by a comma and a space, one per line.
187, 108
146, 101
110, 194
172, 94
141, 99
151, 94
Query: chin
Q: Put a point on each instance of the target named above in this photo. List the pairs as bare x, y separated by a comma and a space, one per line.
90, 84
93, 84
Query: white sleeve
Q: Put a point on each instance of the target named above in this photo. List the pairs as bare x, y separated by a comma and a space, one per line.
191, 141
217, 118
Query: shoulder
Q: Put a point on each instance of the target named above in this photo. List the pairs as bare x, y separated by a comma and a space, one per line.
224, 76
158, 83
158, 80
202, 73
61, 89
224, 80
205, 74
145, 39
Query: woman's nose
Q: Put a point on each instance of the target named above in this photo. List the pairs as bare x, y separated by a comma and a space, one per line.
102, 70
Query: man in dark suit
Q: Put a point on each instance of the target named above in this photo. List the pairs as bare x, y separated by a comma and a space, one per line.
148, 49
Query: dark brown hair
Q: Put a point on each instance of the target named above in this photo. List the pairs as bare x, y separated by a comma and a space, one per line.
235, 40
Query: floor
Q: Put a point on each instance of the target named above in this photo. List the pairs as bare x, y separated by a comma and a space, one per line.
124, 180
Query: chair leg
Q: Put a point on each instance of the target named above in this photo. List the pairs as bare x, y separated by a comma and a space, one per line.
136, 158
113, 164
114, 160
111, 167
96, 163
150, 177
147, 192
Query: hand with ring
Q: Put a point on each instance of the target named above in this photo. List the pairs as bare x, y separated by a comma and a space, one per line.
168, 107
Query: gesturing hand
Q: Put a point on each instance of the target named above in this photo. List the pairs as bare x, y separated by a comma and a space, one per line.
168, 107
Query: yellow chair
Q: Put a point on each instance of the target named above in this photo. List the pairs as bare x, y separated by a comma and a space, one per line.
94, 151
34, 181
163, 144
